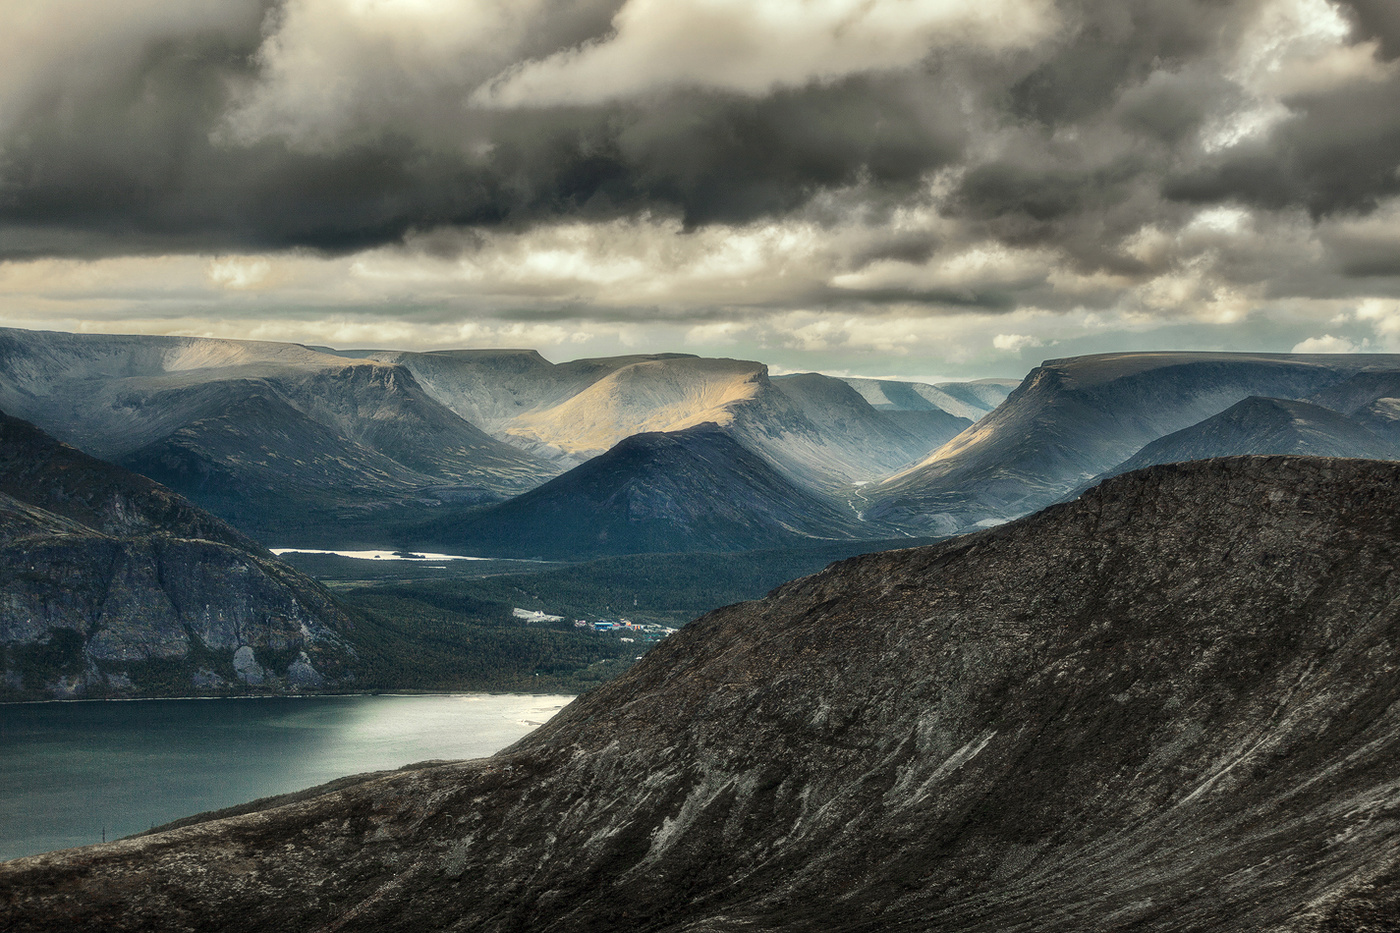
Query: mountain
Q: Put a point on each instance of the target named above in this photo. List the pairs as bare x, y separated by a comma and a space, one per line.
317, 447
1072, 419
813, 428
873, 443
968, 400
111, 584
691, 490
1265, 426
1164, 706
292, 441
495, 388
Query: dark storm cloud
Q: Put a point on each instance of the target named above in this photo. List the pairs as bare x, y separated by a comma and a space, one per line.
1377, 19
1076, 142
136, 167
1112, 45
1338, 152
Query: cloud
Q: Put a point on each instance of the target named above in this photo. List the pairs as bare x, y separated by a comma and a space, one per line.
1015, 343
1053, 169
1326, 344
755, 46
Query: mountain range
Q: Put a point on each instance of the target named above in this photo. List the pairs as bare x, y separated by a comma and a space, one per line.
478, 449
1164, 706
314, 446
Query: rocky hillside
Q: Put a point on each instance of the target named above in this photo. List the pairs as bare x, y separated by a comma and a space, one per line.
1073, 419
691, 490
1169, 705
111, 584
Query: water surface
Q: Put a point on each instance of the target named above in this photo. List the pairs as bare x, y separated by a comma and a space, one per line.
71, 771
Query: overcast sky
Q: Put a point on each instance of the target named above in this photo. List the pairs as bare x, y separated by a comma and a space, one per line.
924, 188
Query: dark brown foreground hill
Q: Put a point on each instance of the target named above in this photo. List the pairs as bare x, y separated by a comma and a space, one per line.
1169, 705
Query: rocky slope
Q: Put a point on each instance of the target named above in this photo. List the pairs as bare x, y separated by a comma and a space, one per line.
1265, 426
366, 432
111, 584
1169, 705
692, 490
1073, 419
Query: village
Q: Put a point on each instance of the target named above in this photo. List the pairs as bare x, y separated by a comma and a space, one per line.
627, 630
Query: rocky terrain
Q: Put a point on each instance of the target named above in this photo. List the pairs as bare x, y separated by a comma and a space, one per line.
1168, 705
1071, 420
692, 490
113, 585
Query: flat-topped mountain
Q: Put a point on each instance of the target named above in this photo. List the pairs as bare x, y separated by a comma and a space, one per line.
1164, 706
1070, 420
112, 584
495, 389
691, 490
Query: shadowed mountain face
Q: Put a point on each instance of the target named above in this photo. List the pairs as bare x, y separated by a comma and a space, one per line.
691, 490
1166, 706
321, 439
110, 583
1265, 426
1072, 419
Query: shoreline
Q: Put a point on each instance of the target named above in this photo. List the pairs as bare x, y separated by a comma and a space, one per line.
291, 696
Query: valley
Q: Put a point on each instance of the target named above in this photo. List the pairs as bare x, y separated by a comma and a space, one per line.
829, 669
1076, 720
677, 482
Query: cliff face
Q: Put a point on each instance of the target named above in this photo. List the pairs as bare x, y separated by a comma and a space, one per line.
111, 584
1168, 705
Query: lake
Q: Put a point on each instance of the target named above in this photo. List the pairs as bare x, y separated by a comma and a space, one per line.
70, 771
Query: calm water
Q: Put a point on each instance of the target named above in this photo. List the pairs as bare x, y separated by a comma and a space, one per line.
69, 770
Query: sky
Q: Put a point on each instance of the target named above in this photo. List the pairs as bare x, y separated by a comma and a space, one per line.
928, 189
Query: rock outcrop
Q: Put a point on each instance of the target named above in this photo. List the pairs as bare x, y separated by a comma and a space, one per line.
1168, 705
111, 584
